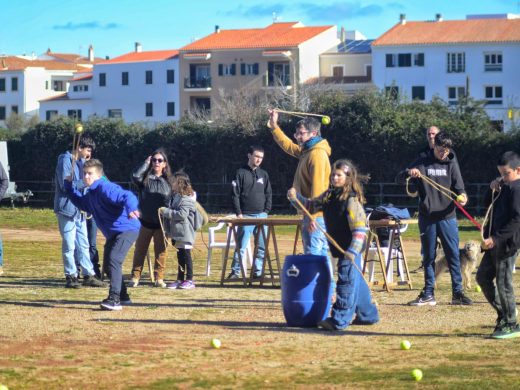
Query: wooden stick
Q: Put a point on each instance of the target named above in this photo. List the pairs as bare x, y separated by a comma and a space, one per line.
296, 113
331, 240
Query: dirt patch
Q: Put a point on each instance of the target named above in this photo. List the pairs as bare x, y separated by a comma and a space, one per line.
54, 337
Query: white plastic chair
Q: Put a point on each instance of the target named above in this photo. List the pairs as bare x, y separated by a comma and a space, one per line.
389, 260
213, 243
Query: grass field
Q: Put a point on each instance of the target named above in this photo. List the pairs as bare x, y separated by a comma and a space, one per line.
55, 338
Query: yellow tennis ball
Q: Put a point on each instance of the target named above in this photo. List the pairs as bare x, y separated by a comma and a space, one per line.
79, 128
406, 345
417, 374
461, 198
325, 120
478, 289
215, 343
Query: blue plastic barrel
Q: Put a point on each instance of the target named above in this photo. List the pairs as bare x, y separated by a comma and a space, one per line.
306, 289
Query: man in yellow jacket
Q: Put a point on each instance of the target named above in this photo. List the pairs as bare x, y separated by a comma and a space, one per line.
312, 174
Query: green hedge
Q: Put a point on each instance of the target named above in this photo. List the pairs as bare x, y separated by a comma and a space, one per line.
380, 134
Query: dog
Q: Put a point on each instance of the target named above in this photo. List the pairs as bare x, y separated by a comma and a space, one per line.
469, 256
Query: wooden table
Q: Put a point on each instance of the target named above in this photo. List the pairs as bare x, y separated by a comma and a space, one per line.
395, 246
266, 228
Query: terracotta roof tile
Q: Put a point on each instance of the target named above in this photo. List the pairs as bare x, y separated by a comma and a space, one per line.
62, 96
276, 35
68, 57
451, 31
81, 76
144, 56
16, 63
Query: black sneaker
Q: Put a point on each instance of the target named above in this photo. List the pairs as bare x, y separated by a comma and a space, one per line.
327, 324
423, 300
72, 282
233, 275
111, 304
507, 332
125, 300
461, 299
93, 281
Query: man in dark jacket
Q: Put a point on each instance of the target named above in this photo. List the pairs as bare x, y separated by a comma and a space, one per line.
252, 198
501, 246
4, 183
437, 217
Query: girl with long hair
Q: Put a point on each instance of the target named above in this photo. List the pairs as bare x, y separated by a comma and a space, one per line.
345, 220
154, 180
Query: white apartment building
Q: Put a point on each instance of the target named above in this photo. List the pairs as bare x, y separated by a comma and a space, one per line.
138, 86
479, 57
76, 103
24, 82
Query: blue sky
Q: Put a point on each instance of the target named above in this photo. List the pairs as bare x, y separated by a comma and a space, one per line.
112, 26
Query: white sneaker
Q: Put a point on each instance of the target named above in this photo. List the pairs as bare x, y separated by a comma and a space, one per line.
134, 282
160, 283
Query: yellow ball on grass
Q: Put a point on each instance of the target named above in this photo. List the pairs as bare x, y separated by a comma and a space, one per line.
215, 343
417, 374
406, 345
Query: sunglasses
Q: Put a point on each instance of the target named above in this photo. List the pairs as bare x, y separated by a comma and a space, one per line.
157, 160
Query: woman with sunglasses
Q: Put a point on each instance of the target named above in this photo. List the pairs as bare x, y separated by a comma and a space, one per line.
154, 180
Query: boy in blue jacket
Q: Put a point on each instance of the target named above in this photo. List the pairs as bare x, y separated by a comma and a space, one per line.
115, 212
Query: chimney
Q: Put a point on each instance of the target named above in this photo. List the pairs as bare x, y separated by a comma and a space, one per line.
90, 54
107, 57
138, 47
402, 18
438, 17
217, 28
342, 34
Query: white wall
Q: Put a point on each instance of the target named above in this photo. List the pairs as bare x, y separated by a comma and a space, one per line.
10, 98
310, 50
131, 98
436, 79
63, 106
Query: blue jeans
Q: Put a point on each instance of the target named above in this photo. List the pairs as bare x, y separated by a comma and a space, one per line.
352, 296
116, 249
314, 243
74, 235
1, 252
243, 236
92, 245
448, 232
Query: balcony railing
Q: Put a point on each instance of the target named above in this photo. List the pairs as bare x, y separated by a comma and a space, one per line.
283, 80
194, 82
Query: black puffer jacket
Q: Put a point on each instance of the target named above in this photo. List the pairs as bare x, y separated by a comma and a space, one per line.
154, 194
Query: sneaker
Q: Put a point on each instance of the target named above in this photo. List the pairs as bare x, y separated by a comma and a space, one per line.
257, 276
461, 299
423, 300
187, 285
111, 304
125, 300
507, 332
327, 324
93, 281
72, 282
233, 275
174, 285
134, 282
160, 283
